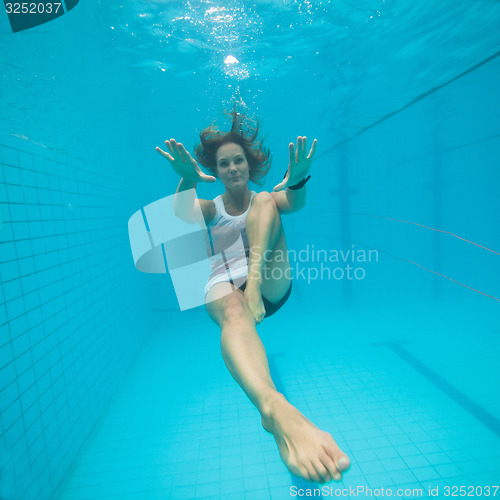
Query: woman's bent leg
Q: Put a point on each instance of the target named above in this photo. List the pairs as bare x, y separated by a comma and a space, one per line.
268, 266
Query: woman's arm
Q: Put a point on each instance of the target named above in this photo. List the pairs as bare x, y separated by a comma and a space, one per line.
290, 200
185, 206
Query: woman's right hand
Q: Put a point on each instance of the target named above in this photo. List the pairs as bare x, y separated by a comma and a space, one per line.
183, 163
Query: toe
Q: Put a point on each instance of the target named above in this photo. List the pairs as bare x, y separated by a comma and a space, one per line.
299, 470
340, 459
329, 464
337, 476
343, 463
321, 471
313, 474
306, 473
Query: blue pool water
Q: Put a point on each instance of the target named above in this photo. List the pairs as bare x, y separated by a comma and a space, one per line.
109, 391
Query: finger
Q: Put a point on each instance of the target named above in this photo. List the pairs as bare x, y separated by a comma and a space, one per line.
280, 186
182, 151
291, 149
260, 316
304, 148
176, 150
299, 147
207, 178
170, 148
313, 150
165, 155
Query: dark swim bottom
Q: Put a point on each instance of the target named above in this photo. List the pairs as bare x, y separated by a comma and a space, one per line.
272, 307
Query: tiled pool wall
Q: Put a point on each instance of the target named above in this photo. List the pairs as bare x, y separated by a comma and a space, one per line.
72, 309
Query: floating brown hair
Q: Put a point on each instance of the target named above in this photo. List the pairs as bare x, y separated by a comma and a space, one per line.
258, 156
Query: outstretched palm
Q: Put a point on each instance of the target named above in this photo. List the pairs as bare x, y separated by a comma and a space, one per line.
300, 163
183, 163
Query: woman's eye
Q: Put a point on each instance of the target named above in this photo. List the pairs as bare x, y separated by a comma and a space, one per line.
239, 160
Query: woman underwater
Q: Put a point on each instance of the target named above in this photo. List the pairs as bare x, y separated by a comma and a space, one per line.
237, 157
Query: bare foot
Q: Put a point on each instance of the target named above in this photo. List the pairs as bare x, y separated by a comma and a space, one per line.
254, 298
307, 451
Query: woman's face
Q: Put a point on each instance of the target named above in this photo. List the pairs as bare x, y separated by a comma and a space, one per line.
232, 166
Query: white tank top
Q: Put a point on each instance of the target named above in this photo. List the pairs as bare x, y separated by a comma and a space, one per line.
229, 261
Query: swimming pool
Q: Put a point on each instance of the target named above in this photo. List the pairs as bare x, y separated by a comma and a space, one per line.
390, 338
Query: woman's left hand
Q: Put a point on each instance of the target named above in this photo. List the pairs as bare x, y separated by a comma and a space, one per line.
300, 163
